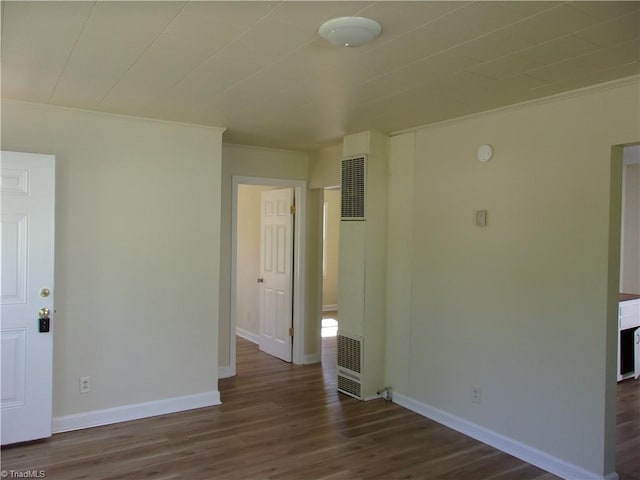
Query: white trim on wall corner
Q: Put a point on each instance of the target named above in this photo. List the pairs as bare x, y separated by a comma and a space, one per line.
136, 411
311, 359
330, 308
226, 372
247, 335
508, 445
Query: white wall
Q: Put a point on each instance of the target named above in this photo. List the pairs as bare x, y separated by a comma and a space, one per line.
630, 263
137, 253
525, 308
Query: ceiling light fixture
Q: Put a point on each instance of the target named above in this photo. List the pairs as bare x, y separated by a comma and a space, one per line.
349, 31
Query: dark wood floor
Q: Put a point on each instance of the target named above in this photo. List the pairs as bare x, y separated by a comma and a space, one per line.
281, 421
628, 430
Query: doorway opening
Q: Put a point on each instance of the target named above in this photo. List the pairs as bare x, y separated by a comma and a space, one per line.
330, 244
624, 288
245, 262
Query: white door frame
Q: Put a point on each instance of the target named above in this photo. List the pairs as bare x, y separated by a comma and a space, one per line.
299, 261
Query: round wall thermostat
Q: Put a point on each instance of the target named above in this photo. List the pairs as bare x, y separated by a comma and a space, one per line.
485, 152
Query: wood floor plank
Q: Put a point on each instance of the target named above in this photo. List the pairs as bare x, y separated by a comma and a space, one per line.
628, 430
287, 422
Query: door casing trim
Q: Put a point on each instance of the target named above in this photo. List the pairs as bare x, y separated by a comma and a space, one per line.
299, 262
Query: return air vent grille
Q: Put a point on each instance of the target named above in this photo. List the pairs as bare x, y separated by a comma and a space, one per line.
353, 188
349, 353
349, 364
348, 386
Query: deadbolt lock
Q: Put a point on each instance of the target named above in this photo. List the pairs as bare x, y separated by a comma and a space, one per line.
44, 322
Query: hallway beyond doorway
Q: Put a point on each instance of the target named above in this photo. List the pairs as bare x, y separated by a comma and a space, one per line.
329, 324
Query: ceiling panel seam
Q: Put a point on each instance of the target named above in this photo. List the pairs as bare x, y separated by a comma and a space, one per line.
66, 62
137, 59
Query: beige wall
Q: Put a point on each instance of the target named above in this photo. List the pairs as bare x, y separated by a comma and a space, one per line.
325, 173
522, 308
630, 271
325, 167
137, 253
248, 254
330, 281
239, 160
399, 260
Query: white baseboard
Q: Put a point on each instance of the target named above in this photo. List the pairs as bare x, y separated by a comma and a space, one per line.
508, 445
134, 412
311, 359
330, 308
226, 372
247, 335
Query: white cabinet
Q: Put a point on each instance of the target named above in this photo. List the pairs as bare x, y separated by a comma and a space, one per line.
629, 339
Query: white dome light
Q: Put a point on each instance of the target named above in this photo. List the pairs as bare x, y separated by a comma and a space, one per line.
349, 31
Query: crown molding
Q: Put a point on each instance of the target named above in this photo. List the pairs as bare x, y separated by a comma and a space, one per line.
622, 82
51, 106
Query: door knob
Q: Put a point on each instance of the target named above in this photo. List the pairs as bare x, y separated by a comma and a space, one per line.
260, 280
44, 313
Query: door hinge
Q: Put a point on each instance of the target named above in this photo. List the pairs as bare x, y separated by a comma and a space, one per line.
293, 209
291, 332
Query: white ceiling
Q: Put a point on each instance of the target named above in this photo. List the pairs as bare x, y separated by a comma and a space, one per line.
261, 70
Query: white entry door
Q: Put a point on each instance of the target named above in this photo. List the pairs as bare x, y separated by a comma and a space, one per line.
276, 263
27, 218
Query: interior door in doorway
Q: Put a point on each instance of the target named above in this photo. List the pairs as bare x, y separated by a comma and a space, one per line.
276, 266
26, 295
